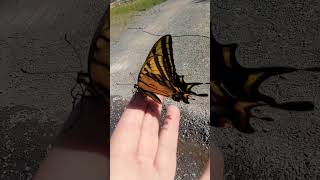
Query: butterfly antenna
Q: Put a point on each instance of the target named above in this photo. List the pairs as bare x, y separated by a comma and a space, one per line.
57, 72
74, 96
45, 73
133, 77
123, 84
73, 49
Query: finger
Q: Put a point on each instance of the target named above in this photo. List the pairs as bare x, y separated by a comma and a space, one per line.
167, 148
148, 142
206, 173
125, 137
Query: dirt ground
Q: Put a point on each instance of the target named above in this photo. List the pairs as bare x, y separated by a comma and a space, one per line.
191, 53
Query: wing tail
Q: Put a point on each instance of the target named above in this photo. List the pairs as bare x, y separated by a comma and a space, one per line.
313, 69
295, 106
191, 85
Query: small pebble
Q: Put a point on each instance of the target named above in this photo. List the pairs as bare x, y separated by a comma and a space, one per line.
254, 165
27, 168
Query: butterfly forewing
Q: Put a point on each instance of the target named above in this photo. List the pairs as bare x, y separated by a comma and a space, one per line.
158, 74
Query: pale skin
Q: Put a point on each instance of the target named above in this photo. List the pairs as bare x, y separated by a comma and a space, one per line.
80, 152
143, 152
139, 149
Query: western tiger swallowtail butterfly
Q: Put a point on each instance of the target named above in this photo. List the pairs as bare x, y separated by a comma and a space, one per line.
97, 80
158, 74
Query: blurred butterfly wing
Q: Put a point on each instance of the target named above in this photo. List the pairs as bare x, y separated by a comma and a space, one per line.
227, 110
244, 82
234, 89
99, 57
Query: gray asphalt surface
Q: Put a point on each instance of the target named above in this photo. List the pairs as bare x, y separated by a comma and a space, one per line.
33, 107
192, 56
274, 33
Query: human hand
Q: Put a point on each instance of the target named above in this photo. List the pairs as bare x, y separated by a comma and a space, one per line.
81, 150
206, 173
137, 150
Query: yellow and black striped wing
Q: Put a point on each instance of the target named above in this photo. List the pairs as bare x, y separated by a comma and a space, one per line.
158, 74
160, 58
234, 89
99, 57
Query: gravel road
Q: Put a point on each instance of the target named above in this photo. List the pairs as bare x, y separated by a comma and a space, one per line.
274, 33
192, 56
33, 107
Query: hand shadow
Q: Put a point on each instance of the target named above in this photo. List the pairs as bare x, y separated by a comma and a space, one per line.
87, 127
144, 103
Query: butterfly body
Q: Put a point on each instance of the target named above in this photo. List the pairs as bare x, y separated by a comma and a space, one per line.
158, 74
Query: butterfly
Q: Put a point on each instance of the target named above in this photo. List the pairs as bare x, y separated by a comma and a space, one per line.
97, 79
158, 75
234, 89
